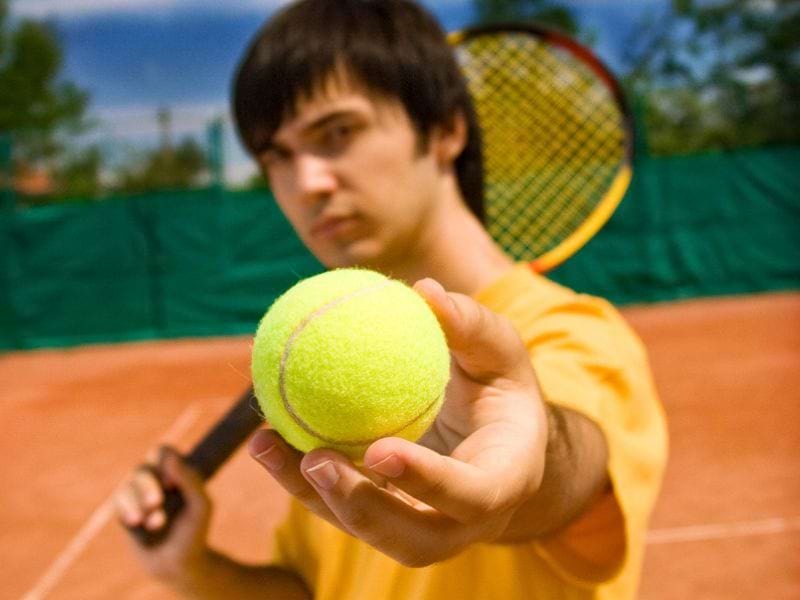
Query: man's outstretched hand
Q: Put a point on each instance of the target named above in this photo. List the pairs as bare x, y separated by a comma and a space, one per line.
482, 459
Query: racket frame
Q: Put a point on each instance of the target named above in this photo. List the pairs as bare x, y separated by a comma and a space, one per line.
619, 185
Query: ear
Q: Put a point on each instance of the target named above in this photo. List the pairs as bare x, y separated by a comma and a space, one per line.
449, 140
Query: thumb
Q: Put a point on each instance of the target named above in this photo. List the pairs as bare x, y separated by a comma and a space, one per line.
176, 473
484, 344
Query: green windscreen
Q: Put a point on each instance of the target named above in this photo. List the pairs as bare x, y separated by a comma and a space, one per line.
211, 262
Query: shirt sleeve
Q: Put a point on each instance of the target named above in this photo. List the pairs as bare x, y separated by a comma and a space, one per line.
589, 360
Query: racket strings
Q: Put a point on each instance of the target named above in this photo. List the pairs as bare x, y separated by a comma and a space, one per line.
553, 138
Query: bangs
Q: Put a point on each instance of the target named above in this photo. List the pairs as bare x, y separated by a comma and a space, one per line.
388, 49
370, 46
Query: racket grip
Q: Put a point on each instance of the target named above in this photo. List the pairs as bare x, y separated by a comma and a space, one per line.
206, 458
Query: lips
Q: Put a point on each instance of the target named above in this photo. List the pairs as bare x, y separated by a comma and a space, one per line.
332, 226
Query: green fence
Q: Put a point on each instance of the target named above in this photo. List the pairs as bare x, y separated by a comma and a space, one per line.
161, 265
699, 225
210, 262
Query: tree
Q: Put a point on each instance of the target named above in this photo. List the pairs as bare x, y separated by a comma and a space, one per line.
34, 104
165, 168
716, 75
542, 11
78, 176
256, 181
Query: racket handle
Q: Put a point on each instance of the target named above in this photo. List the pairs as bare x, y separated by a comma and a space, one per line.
206, 458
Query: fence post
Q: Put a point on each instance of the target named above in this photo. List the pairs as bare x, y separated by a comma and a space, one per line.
640, 124
216, 155
9, 332
6, 171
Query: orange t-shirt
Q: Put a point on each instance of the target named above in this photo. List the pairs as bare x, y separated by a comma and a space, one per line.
587, 359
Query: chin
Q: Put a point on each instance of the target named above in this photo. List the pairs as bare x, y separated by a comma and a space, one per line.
362, 254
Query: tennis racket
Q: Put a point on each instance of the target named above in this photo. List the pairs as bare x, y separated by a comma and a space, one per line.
557, 135
558, 151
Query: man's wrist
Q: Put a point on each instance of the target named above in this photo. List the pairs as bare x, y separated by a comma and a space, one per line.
213, 576
195, 570
575, 469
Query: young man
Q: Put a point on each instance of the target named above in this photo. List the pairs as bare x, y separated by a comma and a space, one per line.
538, 476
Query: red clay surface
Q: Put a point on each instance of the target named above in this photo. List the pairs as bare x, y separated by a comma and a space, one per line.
727, 525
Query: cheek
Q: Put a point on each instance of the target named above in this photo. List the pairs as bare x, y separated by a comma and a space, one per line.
280, 190
399, 188
297, 219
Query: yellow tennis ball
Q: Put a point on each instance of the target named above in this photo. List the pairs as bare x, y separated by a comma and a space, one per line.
348, 357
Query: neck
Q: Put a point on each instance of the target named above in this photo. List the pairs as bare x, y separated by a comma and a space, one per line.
453, 248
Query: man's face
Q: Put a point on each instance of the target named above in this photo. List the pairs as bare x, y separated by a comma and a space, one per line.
348, 174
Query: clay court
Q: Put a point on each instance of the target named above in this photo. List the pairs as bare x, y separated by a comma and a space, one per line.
727, 525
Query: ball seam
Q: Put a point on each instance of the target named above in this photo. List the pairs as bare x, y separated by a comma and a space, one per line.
285, 358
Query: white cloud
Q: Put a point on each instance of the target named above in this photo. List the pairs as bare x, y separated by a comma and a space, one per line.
80, 8
755, 75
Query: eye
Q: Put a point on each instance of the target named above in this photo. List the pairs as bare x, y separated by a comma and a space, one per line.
274, 156
336, 137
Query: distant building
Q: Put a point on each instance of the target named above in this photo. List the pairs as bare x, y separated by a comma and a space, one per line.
33, 181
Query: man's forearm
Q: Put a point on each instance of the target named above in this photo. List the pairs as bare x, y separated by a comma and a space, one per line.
220, 578
575, 474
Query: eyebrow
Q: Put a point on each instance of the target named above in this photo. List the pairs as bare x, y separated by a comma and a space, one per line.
316, 124
325, 119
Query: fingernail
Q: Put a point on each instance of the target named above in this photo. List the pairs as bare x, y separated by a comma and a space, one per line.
391, 466
272, 458
324, 474
433, 286
156, 520
153, 498
133, 519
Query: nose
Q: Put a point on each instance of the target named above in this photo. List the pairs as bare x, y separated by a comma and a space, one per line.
315, 177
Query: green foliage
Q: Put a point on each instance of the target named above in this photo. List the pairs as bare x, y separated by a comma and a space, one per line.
256, 181
34, 103
79, 175
542, 11
39, 112
718, 75
165, 168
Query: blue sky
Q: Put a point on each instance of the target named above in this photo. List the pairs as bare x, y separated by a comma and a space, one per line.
135, 56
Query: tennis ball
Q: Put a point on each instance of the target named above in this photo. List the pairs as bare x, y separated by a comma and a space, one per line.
347, 357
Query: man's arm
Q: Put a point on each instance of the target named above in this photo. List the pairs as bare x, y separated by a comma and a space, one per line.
217, 577
575, 475
486, 472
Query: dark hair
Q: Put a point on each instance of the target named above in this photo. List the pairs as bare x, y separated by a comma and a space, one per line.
394, 48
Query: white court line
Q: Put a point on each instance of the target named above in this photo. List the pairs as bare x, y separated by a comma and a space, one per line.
64, 561
189, 416
182, 424
103, 513
722, 531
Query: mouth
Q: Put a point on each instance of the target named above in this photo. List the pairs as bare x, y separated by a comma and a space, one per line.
333, 227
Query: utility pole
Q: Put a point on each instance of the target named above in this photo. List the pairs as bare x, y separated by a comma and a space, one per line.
164, 117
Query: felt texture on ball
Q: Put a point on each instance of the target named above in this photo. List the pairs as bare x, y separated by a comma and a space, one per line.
347, 357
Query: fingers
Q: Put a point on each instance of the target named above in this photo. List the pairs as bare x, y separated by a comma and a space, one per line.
411, 535
330, 486
176, 473
468, 493
483, 343
140, 500
283, 462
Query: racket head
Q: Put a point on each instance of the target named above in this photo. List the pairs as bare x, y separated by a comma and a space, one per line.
557, 135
